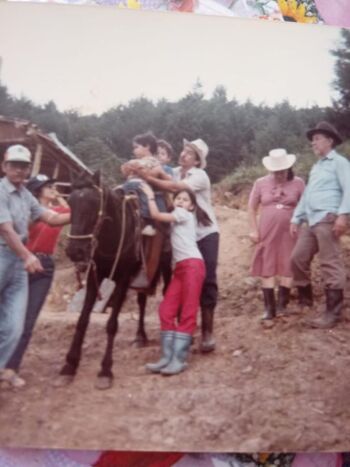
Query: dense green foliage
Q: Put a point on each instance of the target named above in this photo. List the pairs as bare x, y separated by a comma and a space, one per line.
340, 114
236, 133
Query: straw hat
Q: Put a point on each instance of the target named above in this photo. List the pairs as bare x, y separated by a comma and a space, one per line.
278, 159
201, 149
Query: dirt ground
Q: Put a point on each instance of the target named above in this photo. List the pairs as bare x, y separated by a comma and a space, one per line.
279, 387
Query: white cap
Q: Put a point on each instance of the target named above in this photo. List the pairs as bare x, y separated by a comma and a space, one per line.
17, 153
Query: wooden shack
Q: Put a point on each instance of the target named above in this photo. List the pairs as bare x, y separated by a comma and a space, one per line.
49, 155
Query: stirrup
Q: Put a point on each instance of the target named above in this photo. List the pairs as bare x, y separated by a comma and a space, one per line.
140, 281
149, 231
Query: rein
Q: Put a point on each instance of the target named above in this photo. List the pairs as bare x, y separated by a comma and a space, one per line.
93, 237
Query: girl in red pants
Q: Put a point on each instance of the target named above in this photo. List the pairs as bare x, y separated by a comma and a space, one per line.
184, 290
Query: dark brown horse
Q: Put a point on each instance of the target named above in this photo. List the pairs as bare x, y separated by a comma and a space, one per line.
104, 233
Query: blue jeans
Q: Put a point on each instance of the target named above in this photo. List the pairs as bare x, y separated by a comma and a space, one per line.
39, 286
13, 302
134, 186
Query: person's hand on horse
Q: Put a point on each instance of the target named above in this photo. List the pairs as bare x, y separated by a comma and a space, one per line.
32, 264
340, 225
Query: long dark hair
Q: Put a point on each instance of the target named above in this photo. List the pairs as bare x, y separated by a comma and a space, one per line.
201, 215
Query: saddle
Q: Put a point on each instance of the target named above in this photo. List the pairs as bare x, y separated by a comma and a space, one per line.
148, 249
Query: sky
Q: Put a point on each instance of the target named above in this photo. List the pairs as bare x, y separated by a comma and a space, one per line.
92, 58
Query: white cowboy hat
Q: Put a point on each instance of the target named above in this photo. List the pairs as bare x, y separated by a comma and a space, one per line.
17, 153
278, 159
201, 149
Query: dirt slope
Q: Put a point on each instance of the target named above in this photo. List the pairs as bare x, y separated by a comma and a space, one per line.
283, 387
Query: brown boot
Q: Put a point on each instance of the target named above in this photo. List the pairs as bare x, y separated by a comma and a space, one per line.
331, 315
208, 341
282, 299
269, 303
305, 295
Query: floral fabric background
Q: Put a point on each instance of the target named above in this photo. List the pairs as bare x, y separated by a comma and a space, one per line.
335, 12
303, 11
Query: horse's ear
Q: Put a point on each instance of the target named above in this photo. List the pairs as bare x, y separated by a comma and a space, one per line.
75, 177
96, 178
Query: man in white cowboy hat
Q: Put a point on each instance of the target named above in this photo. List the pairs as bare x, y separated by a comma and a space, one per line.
191, 174
325, 207
18, 208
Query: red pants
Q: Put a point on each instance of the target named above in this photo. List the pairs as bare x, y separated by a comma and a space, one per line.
182, 295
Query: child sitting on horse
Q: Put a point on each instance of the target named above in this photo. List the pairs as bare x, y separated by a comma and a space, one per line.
144, 149
181, 300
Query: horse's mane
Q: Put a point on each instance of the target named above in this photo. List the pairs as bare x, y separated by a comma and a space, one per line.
114, 194
83, 182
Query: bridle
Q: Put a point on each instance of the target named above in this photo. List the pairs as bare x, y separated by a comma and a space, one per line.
93, 236
97, 227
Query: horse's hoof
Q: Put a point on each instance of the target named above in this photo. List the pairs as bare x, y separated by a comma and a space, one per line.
104, 382
63, 380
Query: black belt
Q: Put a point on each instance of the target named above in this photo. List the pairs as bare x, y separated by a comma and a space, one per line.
44, 255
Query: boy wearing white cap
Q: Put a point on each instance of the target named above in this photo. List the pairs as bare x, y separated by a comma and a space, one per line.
18, 208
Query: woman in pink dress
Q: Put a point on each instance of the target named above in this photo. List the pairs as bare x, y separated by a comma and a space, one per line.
276, 194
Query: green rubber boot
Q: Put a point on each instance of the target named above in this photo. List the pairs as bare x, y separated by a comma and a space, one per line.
182, 343
166, 342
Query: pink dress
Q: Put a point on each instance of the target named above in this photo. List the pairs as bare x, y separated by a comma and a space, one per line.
277, 202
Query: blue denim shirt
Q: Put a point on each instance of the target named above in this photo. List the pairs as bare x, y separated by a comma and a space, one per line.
18, 205
168, 169
328, 190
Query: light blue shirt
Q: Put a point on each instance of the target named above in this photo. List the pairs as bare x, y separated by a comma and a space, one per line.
18, 206
328, 190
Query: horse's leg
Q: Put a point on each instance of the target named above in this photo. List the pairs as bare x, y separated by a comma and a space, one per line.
68, 371
105, 376
141, 336
166, 269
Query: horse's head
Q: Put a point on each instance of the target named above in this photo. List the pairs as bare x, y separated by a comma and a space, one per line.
87, 203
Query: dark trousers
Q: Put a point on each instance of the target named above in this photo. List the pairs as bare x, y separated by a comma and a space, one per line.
39, 285
209, 248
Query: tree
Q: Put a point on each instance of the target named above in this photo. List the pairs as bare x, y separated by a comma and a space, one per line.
342, 83
97, 155
342, 69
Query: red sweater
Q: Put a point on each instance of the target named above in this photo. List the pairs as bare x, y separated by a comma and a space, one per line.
43, 237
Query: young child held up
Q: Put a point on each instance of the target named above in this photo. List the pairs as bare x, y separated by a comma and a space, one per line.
144, 150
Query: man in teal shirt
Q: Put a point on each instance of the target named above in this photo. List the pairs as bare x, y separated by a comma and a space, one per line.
325, 207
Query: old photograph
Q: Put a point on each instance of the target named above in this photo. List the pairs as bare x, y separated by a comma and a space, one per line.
174, 248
